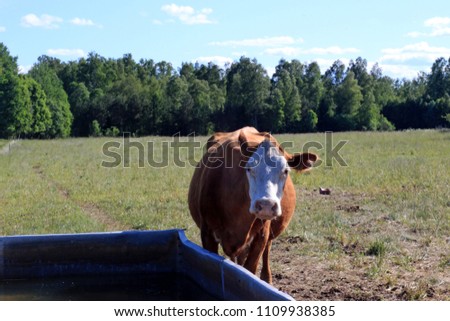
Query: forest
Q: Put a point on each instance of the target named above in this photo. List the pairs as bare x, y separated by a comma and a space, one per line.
98, 96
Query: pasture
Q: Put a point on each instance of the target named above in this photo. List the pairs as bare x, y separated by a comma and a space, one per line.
382, 234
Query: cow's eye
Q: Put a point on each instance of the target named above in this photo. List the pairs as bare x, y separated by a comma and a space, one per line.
286, 172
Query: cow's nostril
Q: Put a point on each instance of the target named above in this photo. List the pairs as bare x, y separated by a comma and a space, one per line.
266, 205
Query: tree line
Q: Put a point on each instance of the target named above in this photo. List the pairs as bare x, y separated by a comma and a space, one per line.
95, 96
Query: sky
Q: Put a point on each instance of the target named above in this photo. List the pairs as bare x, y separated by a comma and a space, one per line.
403, 37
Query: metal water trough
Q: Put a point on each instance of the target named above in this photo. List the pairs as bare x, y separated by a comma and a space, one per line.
127, 265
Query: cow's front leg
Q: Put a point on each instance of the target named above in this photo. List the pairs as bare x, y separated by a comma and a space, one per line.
243, 255
266, 273
209, 242
257, 247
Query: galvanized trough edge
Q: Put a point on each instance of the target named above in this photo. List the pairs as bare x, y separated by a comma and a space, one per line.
237, 283
31, 256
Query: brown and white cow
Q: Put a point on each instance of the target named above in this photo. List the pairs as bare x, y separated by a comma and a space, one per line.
241, 195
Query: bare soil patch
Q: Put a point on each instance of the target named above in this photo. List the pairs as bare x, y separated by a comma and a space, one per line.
347, 276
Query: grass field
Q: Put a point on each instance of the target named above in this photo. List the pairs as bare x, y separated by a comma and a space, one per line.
3, 143
383, 233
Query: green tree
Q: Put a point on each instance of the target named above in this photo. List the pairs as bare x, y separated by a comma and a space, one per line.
447, 119
179, 106
407, 109
438, 81
334, 75
211, 73
41, 114
57, 99
126, 66
332, 79
215, 77
164, 69
368, 114
153, 109
285, 98
95, 129
188, 72
248, 89
359, 69
296, 69
92, 72
311, 94
382, 87
276, 114
124, 104
309, 121
348, 102
79, 99
15, 109
22, 114
200, 93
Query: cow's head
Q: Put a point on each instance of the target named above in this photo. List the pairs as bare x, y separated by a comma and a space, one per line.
267, 170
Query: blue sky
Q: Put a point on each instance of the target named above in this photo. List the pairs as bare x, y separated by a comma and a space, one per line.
404, 37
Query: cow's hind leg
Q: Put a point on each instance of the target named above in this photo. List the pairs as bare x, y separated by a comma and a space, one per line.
257, 247
209, 242
266, 273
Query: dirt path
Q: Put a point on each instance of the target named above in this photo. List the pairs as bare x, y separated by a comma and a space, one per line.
91, 210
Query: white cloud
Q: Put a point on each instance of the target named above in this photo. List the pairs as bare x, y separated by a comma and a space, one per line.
2, 29
437, 21
67, 52
176, 10
416, 34
82, 22
419, 51
218, 60
402, 71
440, 26
270, 71
333, 50
44, 21
443, 31
259, 42
187, 14
283, 51
25, 69
293, 51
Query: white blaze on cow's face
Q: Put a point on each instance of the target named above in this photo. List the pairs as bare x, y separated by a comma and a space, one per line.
267, 171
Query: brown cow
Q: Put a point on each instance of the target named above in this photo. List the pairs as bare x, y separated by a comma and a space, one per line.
241, 195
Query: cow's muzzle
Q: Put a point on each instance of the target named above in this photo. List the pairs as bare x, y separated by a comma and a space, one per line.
266, 209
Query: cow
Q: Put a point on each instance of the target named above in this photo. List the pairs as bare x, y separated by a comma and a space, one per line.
241, 195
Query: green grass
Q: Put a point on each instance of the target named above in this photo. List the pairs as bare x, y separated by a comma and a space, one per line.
399, 177
45, 186
391, 201
3, 142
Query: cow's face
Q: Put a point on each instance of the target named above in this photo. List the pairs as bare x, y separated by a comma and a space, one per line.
267, 171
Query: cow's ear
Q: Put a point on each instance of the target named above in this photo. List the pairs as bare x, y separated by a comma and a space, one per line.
302, 161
